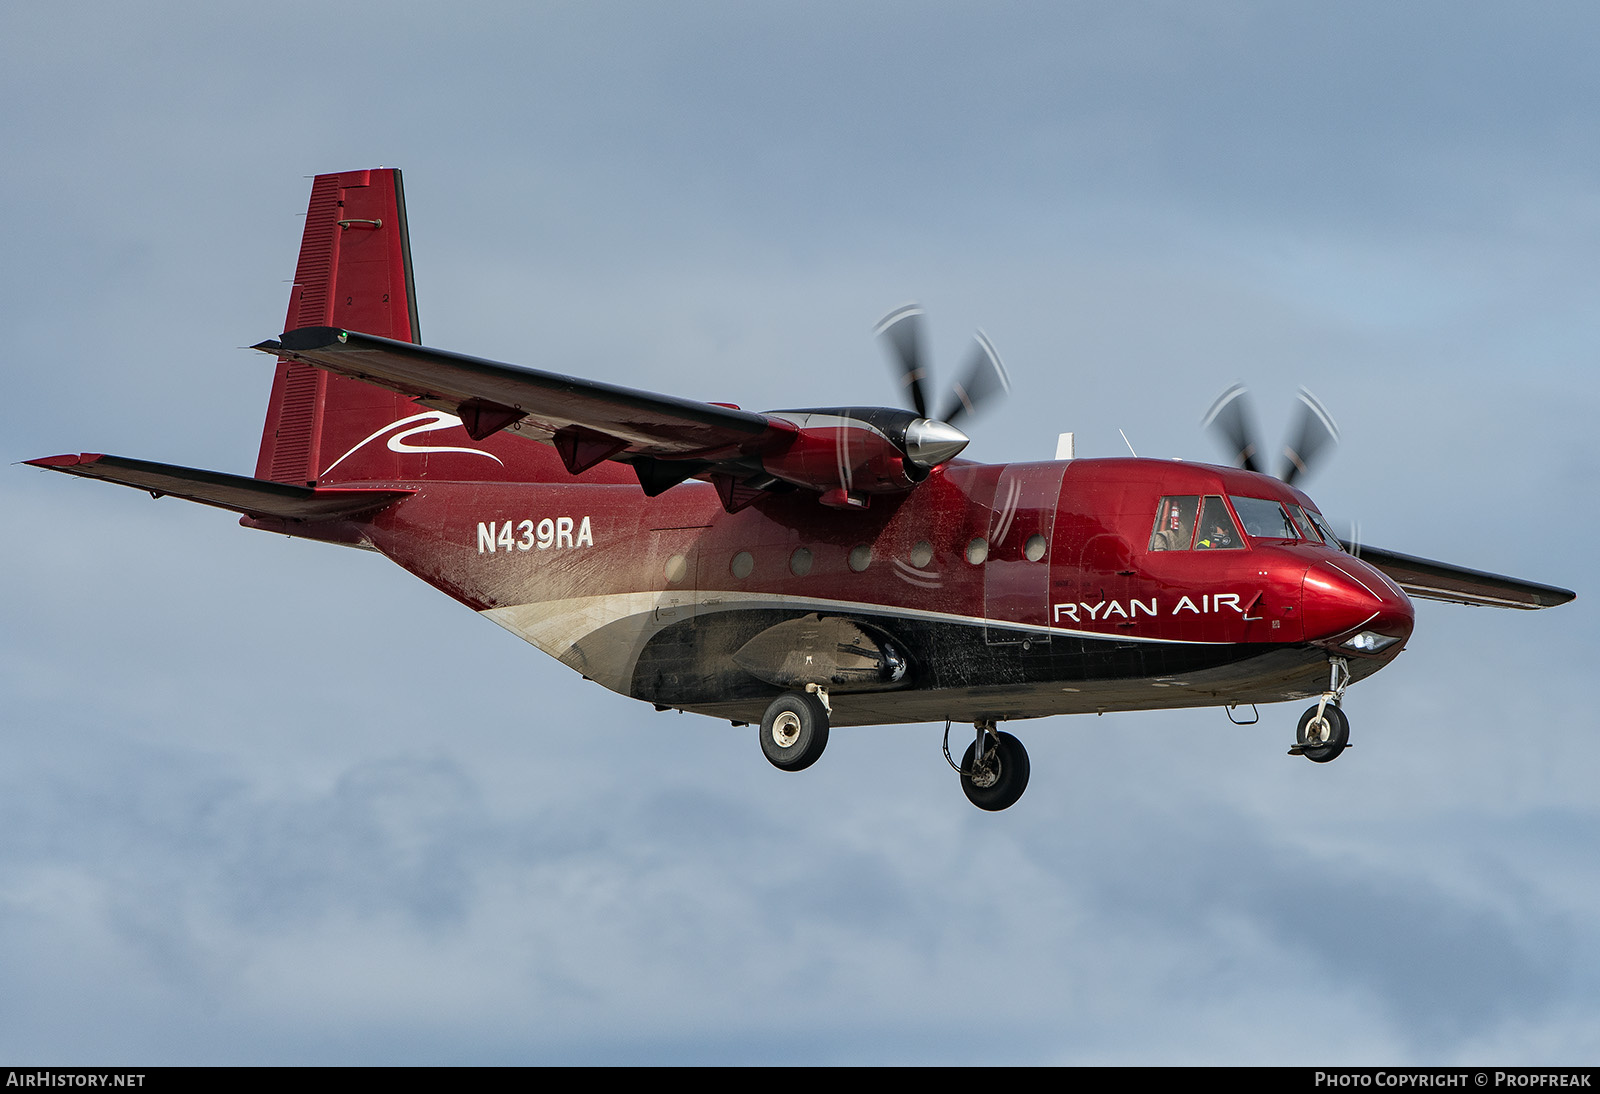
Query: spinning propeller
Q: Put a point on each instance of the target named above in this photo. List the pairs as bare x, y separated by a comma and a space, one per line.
1314, 432
932, 440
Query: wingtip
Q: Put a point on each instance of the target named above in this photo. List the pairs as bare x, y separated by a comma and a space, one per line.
1559, 597
69, 459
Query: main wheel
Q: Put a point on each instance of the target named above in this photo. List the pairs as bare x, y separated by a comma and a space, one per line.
794, 731
997, 780
1322, 741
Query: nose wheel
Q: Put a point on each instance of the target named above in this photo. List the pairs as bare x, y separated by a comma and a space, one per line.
1324, 731
1323, 734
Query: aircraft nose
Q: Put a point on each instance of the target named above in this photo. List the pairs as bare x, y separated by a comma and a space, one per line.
1348, 595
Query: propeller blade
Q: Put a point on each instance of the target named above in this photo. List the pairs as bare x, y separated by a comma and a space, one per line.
984, 379
1230, 419
1314, 432
902, 330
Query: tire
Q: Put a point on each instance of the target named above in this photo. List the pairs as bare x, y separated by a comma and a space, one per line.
794, 731
1009, 773
1338, 735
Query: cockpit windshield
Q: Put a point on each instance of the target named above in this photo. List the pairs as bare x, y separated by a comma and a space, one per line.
1265, 519
1308, 527
1321, 525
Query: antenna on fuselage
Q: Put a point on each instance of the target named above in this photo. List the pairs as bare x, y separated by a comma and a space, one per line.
1128, 443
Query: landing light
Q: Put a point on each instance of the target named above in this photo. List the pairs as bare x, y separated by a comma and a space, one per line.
1370, 642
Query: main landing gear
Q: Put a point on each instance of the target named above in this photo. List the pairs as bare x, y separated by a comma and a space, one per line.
994, 770
1324, 731
794, 731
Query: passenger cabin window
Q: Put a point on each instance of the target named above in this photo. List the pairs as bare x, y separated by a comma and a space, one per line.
1174, 529
1217, 532
1265, 519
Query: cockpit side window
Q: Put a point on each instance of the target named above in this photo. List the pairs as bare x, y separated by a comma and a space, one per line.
1264, 519
1174, 529
1217, 532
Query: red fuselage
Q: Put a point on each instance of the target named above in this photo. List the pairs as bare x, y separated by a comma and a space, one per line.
1013, 590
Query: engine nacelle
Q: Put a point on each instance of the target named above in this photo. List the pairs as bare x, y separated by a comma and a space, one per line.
862, 451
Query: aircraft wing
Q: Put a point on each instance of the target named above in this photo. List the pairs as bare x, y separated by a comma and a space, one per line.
252, 497
587, 420
1431, 580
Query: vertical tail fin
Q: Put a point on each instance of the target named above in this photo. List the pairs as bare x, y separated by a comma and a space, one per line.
354, 272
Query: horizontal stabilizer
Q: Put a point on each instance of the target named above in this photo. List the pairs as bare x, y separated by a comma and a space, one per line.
252, 497
1421, 577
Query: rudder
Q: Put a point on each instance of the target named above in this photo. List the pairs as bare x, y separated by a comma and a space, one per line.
354, 272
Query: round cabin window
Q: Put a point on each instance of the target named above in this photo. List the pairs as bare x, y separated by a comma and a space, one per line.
677, 569
800, 562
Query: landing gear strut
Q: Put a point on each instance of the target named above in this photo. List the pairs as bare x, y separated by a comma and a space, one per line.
794, 731
994, 771
1324, 731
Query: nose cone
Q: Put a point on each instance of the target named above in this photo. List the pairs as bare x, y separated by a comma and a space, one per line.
930, 442
1348, 596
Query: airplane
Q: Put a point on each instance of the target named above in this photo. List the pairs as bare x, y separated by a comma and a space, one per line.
802, 569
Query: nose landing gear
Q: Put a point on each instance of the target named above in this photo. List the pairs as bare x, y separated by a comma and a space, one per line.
1324, 731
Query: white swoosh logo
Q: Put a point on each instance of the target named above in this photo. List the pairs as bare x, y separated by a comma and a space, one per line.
426, 422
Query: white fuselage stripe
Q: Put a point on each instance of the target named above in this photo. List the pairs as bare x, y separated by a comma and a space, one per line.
636, 603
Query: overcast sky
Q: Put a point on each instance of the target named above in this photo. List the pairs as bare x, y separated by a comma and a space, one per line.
264, 800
